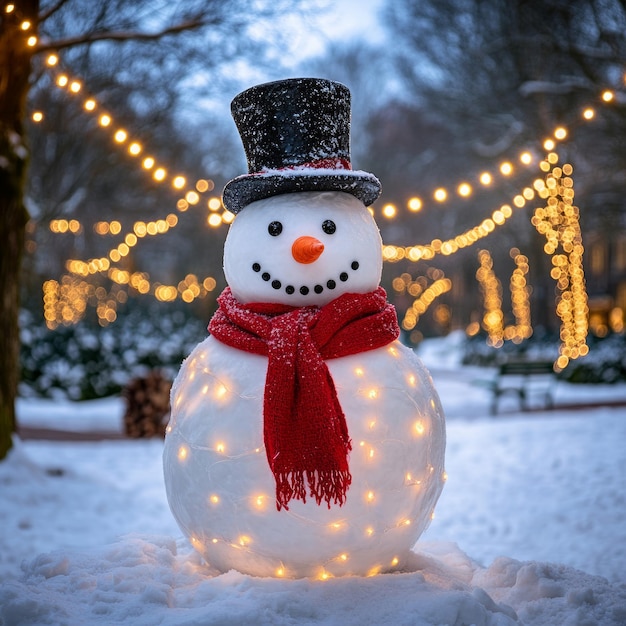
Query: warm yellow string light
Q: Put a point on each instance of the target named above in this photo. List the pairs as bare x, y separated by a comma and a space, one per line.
559, 222
424, 294
491, 288
66, 302
463, 189
451, 246
214, 219
520, 300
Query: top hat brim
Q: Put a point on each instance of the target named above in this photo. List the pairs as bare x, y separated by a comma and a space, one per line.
248, 188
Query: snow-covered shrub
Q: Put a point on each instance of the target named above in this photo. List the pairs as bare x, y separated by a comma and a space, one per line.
86, 361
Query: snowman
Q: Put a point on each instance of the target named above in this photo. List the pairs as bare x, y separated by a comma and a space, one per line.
305, 440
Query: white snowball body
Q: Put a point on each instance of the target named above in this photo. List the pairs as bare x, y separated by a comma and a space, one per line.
219, 484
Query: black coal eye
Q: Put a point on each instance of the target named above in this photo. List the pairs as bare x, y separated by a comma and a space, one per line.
275, 228
329, 227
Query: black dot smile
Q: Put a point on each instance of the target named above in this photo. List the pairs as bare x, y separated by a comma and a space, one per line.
304, 289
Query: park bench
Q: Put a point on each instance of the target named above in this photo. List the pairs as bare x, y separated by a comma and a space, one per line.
525, 379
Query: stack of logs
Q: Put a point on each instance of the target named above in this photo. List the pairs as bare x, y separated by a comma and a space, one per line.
147, 405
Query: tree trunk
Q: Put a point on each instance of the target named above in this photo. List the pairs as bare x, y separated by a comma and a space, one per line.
15, 67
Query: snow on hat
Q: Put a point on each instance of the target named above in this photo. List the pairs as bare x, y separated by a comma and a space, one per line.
296, 136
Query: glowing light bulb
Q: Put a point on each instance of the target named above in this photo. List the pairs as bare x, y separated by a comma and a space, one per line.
134, 148
358, 371
549, 144
415, 204
394, 561
105, 120
220, 448
608, 95
192, 197
589, 113
464, 190
31, 41
214, 220
75, 86
220, 391
183, 453
214, 204
52, 59
178, 182
389, 211
506, 169
440, 194
159, 174
120, 135
419, 427
369, 496
25, 25
37, 116
280, 572
62, 80
90, 104
214, 499
372, 394
485, 178
560, 133
148, 163
526, 158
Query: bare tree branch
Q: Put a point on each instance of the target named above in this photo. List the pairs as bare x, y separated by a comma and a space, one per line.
51, 10
119, 36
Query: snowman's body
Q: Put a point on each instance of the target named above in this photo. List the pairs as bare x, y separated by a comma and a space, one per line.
218, 481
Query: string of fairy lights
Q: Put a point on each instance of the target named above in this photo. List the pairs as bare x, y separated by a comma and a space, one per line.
65, 301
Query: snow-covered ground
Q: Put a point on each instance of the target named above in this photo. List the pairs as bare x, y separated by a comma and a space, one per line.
537, 500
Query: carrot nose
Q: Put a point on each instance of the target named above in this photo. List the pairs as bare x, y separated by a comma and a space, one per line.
307, 249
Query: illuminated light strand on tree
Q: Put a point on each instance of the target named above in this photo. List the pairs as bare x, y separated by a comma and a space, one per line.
391, 253
520, 300
66, 306
415, 204
66, 302
424, 294
464, 189
451, 246
491, 288
134, 148
559, 222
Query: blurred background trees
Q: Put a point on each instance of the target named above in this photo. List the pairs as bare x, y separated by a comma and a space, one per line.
454, 89
139, 64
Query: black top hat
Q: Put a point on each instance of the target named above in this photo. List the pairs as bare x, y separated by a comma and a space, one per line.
296, 135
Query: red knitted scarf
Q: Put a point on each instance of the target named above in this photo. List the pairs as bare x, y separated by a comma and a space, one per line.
305, 431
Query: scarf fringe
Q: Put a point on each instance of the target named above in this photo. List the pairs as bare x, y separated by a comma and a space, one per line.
329, 486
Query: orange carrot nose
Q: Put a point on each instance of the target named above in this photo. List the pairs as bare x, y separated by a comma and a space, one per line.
307, 249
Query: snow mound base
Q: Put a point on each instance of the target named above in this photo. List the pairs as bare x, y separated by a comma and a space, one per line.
150, 580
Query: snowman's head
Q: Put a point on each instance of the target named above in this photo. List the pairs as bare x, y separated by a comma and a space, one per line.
304, 248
